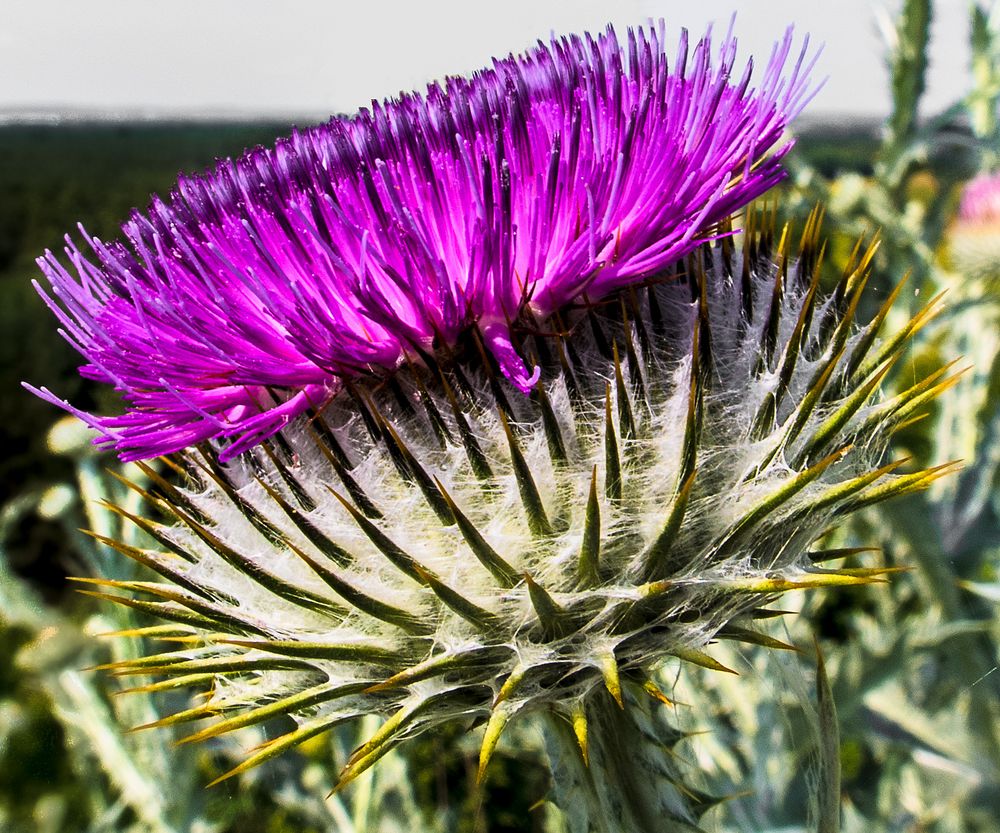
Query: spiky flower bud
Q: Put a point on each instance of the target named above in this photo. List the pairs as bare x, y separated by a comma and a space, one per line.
394, 516
434, 545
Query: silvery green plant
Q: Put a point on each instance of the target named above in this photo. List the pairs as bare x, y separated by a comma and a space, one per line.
375, 508
915, 678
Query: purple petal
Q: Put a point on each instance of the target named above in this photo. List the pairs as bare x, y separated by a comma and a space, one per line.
582, 166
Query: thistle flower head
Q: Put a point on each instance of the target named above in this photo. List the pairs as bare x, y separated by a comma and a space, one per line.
438, 546
395, 516
974, 237
575, 169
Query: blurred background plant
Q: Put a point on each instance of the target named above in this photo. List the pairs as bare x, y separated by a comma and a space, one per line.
912, 666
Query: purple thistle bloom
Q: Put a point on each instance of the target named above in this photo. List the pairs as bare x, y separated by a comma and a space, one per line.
573, 170
980, 201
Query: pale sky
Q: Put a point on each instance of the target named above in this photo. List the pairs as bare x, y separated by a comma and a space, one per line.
309, 58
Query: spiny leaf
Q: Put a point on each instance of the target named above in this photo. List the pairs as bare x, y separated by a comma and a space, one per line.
185, 681
468, 610
531, 500
424, 480
362, 601
612, 679
655, 562
477, 460
776, 499
817, 386
842, 491
600, 339
634, 372
901, 339
751, 637
330, 548
491, 737
280, 587
185, 716
331, 450
817, 556
510, 685
553, 616
579, 720
154, 530
900, 485
170, 493
302, 497
612, 459
323, 693
172, 612
588, 569
361, 405
282, 744
827, 432
550, 424
400, 559
151, 660
902, 406
699, 658
445, 663
440, 427
801, 581
693, 421
349, 651
656, 692
864, 343
155, 562
391, 733
505, 575
232, 664
151, 632
626, 420
828, 797
769, 336
794, 344
862, 572
217, 474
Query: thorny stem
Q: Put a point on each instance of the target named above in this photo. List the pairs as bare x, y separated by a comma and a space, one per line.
629, 783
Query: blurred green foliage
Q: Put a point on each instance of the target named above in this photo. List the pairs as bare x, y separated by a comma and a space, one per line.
913, 666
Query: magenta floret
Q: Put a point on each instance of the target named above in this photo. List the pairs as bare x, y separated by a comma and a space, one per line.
577, 168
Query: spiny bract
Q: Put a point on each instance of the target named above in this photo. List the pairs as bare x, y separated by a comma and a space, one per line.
433, 545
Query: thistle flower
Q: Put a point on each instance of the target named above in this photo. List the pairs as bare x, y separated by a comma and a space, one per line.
974, 237
394, 516
573, 170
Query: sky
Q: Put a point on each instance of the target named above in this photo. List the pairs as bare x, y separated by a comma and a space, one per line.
261, 58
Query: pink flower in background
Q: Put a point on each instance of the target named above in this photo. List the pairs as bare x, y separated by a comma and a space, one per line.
974, 238
980, 201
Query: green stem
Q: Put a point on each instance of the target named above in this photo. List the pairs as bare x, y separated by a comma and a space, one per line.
630, 783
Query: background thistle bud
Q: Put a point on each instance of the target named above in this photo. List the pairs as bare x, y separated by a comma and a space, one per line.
973, 240
434, 546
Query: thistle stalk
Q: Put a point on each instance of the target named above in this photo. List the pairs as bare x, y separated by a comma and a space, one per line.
617, 775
